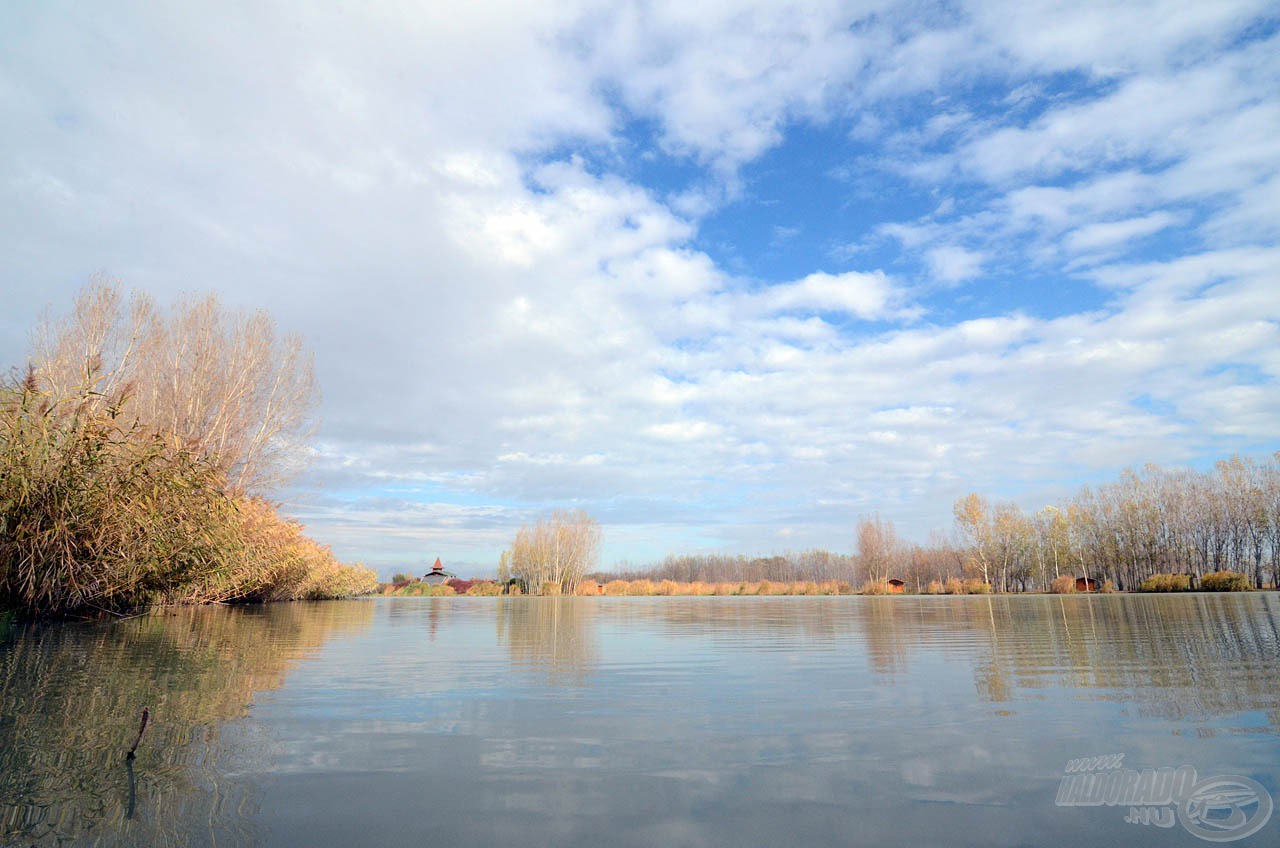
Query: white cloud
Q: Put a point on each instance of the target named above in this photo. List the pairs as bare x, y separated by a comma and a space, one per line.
868, 296
440, 200
1110, 234
952, 264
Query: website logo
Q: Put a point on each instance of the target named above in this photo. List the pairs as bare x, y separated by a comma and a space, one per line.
1222, 808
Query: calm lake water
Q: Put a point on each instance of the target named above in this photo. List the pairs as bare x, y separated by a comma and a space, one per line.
631, 721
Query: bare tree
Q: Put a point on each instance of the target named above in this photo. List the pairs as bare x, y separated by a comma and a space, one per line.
220, 381
879, 551
552, 556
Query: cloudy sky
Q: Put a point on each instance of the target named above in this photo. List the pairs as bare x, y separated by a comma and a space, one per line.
728, 275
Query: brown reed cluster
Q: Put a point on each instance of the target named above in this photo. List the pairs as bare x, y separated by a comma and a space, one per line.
698, 587
105, 510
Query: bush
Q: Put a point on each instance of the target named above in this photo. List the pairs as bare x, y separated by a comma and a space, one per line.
976, 587
1225, 581
1166, 583
1064, 584
933, 587
953, 586
875, 587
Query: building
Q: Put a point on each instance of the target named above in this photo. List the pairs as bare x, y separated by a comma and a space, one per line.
896, 586
437, 574
1086, 584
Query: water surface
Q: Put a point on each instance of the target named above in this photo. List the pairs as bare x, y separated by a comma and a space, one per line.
629, 721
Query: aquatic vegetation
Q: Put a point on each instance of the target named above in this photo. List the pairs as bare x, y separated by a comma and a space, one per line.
108, 502
1225, 581
1063, 584
634, 588
418, 589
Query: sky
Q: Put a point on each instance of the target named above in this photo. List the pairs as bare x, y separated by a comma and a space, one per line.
725, 275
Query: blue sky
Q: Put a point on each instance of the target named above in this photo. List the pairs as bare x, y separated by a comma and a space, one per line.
728, 276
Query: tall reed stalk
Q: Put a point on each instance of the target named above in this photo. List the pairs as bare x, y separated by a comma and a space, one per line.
97, 514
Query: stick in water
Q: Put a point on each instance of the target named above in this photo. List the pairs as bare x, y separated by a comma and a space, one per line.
146, 713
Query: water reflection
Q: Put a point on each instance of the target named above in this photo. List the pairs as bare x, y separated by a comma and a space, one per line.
556, 635
70, 698
1181, 656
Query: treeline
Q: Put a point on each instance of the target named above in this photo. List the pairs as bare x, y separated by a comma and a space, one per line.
1149, 522
809, 566
137, 453
880, 556
1153, 523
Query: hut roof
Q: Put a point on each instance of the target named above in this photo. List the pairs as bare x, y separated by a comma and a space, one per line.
437, 570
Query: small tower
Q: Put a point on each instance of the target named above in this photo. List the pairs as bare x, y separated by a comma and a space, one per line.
437, 574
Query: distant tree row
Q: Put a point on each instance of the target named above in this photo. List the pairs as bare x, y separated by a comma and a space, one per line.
1151, 522
1155, 521
717, 568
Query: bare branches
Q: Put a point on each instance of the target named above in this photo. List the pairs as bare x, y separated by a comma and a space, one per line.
221, 382
1146, 523
129, 453
552, 556
879, 551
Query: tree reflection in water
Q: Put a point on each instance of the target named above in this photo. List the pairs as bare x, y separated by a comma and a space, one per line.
1177, 656
70, 696
553, 635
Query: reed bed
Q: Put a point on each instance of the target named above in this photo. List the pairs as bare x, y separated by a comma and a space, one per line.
418, 589
619, 588
1166, 583
99, 514
1225, 581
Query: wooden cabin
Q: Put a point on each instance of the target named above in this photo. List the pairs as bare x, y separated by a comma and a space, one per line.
1086, 584
437, 574
896, 586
